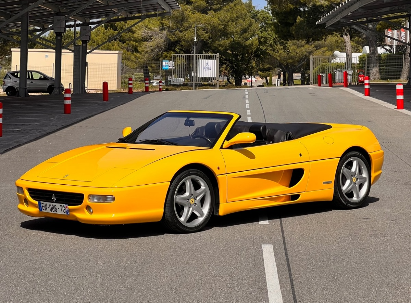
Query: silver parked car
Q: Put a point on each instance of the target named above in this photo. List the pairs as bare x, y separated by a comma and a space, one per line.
37, 82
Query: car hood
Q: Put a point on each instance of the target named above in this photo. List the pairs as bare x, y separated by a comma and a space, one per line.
100, 165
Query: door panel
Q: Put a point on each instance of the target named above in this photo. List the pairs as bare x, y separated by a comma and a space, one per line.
30, 85
265, 171
37, 82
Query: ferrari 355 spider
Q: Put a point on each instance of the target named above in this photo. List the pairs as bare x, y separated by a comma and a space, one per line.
182, 167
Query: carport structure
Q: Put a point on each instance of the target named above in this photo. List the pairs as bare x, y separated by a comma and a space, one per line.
19, 18
361, 14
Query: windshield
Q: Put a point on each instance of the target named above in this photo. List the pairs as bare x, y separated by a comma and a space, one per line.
184, 129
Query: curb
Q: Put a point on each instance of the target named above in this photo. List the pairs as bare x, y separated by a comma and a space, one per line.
377, 101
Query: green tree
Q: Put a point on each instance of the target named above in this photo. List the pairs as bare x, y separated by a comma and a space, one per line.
236, 41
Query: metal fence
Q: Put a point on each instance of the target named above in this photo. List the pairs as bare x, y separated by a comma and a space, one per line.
195, 69
382, 67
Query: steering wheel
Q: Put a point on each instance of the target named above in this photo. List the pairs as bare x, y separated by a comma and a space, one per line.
202, 137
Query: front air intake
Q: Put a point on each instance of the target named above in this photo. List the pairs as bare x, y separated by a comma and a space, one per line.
60, 197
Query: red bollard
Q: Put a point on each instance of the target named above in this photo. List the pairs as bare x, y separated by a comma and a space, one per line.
399, 96
105, 91
1, 119
345, 79
330, 80
319, 80
367, 86
146, 84
160, 85
130, 86
67, 101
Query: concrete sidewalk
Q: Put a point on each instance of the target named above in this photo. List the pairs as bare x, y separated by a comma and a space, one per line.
28, 119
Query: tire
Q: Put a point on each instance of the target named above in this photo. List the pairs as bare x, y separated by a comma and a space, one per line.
189, 202
352, 181
50, 89
10, 91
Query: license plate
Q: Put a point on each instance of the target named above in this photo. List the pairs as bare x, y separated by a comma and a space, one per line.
54, 208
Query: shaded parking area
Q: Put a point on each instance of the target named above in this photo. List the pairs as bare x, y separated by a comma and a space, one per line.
28, 119
387, 93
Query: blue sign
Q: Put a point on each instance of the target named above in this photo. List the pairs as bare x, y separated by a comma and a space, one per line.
165, 64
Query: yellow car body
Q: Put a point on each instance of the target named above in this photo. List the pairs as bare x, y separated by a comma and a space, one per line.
139, 176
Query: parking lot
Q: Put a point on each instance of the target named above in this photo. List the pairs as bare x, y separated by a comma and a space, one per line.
322, 254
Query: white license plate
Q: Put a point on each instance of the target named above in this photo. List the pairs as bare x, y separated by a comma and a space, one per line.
54, 208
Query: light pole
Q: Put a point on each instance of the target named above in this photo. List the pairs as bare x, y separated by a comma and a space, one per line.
194, 58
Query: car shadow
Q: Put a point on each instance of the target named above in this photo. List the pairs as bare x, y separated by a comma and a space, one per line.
126, 231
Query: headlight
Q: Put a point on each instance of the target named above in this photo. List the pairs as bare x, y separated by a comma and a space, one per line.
101, 198
20, 190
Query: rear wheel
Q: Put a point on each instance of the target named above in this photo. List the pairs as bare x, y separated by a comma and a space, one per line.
352, 180
189, 202
50, 89
10, 91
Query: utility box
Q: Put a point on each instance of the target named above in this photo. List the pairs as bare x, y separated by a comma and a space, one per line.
59, 25
85, 32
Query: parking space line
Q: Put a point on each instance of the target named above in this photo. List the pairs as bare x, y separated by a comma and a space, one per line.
249, 119
247, 105
271, 271
248, 112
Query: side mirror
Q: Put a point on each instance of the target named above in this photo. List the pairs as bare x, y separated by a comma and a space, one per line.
127, 131
239, 139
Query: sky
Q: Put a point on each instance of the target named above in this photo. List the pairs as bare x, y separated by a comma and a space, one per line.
259, 4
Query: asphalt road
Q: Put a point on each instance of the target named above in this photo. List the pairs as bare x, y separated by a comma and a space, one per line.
322, 254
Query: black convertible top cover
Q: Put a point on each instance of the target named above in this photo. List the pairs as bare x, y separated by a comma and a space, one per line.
297, 130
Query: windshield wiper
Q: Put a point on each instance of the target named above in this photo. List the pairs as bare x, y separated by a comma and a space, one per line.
156, 141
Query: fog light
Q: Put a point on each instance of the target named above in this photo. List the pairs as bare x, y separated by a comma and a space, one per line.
20, 190
89, 209
25, 202
101, 198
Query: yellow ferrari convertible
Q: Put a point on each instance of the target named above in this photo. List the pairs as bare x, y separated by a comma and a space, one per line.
182, 167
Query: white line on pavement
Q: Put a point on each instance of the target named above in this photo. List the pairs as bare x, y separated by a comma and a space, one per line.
247, 105
248, 112
249, 119
272, 278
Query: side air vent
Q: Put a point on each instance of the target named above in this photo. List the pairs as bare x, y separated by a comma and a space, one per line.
294, 197
297, 175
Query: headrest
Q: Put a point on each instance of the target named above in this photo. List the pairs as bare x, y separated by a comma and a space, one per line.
210, 130
259, 130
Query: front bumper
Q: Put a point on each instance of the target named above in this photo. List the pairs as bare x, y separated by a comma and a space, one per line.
377, 163
135, 204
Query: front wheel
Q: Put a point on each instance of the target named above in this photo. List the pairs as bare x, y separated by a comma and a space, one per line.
352, 181
189, 202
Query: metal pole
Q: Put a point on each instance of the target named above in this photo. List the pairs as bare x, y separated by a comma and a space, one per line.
217, 70
83, 55
58, 65
24, 50
194, 60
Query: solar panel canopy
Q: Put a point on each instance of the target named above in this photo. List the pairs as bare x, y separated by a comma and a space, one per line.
353, 12
42, 12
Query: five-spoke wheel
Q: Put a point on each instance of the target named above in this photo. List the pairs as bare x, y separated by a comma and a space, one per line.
352, 181
189, 203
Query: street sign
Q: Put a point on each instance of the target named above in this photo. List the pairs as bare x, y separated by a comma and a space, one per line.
165, 64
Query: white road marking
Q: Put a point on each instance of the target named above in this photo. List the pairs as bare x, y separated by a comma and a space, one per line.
247, 105
248, 112
272, 278
249, 119
263, 219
